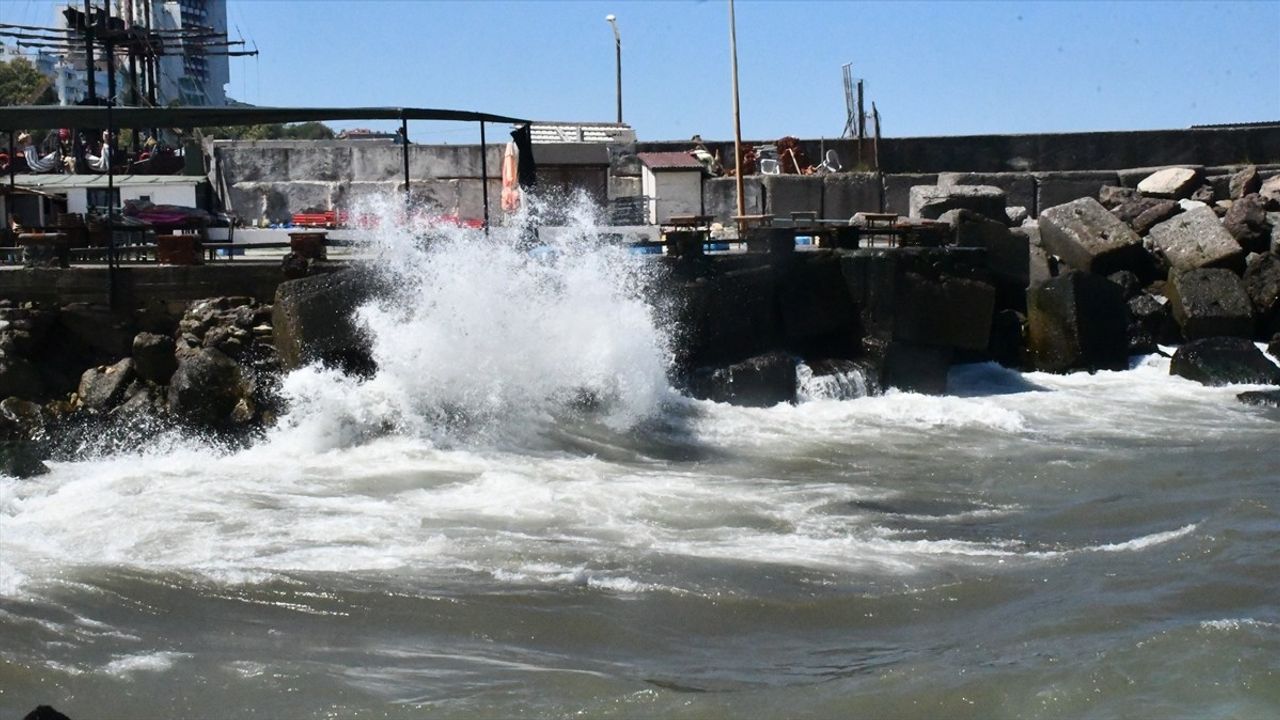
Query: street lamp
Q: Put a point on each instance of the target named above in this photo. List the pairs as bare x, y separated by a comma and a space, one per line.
617, 40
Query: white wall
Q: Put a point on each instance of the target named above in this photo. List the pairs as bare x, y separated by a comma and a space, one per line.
675, 192
78, 198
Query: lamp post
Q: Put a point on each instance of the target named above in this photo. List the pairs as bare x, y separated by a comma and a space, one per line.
617, 42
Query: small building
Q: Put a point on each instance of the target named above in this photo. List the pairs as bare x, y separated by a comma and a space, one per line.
46, 196
672, 181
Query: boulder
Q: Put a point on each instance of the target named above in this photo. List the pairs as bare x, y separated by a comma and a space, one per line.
1129, 283
1270, 192
1210, 302
946, 312
914, 367
928, 202
1087, 237
1008, 255
1113, 196
106, 333
726, 317
102, 388
153, 357
313, 321
760, 381
1077, 320
1262, 284
1247, 222
1019, 187
19, 378
1204, 194
1245, 182
814, 308
1151, 324
1224, 361
1261, 398
206, 387
1174, 183
1155, 214
1196, 239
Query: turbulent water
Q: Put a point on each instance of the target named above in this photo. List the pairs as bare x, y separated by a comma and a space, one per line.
517, 517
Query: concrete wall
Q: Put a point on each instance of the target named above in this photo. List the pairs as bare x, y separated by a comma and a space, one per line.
141, 285
675, 192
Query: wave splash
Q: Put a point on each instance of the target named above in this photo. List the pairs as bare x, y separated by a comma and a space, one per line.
483, 334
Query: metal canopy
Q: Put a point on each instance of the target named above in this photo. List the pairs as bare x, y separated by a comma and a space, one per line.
57, 116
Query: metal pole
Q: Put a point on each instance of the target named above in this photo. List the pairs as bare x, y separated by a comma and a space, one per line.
111, 53
112, 262
404, 154
617, 41
737, 117
8, 199
88, 53
484, 176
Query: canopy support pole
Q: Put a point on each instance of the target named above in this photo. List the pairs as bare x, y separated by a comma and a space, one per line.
484, 176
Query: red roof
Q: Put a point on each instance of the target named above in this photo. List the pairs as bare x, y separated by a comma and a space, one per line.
669, 161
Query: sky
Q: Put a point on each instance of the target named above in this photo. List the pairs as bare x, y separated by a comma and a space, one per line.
932, 68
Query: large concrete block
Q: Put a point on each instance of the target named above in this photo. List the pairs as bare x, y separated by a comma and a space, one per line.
1056, 188
721, 197
320, 163
1196, 239
1007, 253
439, 197
304, 196
471, 199
1077, 321
785, 194
1019, 188
247, 200
897, 190
249, 163
844, 194
949, 312
1210, 302
376, 162
871, 278
814, 308
1130, 177
359, 196
928, 202
1088, 237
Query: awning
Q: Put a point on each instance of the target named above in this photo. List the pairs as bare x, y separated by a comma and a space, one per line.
30, 117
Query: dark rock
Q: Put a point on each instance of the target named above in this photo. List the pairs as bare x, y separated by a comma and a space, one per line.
1155, 214
1210, 302
916, 368
1151, 323
143, 400
1270, 192
1113, 196
45, 712
206, 387
22, 434
1008, 254
871, 277
313, 321
1204, 194
153, 357
1245, 182
98, 328
1128, 282
928, 202
102, 388
1196, 239
1077, 321
723, 318
19, 378
760, 381
1224, 361
1262, 284
1174, 183
1247, 222
1088, 237
814, 308
1008, 343
1273, 347
1261, 398
950, 312
1130, 209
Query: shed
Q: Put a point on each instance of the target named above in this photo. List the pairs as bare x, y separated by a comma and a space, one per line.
673, 183
82, 192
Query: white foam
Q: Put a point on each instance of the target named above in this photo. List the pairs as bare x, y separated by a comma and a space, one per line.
127, 665
1233, 624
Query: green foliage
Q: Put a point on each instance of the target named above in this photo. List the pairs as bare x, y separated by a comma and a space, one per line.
22, 84
274, 131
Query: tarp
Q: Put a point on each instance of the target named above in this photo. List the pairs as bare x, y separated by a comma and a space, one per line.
30, 117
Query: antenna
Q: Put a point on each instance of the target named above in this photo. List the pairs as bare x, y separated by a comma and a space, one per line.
850, 108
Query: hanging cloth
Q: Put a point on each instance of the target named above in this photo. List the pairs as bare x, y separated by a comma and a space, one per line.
511, 179
523, 137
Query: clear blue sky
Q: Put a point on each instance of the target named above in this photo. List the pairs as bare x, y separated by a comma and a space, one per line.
933, 68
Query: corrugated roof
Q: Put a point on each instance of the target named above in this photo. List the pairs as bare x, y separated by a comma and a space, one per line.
49, 181
669, 161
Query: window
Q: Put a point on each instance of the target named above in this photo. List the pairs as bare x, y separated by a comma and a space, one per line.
98, 198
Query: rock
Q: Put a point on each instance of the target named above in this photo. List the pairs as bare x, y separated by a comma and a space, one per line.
1204, 194
1151, 323
313, 321
1113, 196
102, 331
1007, 338
1154, 215
22, 435
1008, 255
1224, 361
814, 308
1262, 284
1129, 283
1261, 398
206, 387
1247, 222
928, 202
1016, 214
761, 381
1270, 192
143, 400
1210, 302
1245, 182
1130, 209
103, 388
21, 459
917, 368
946, 312
19, 378
1174, 183
727, 317
1273, 347
153, 357
1088, 237
1196, 239
1075, 321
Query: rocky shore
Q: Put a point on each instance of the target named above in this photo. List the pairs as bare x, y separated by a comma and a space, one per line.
1177, 261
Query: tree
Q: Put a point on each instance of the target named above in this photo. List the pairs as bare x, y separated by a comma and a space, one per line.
22, 84
273, 131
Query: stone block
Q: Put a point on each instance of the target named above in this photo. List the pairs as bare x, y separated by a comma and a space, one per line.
302, 196
871, 280
1210, 302
916, 368
814, 308
1088, 237
721, 197
897, 190
1196, 239
728, 317
1262, 283
844, 194
949, 312
1224, 361
1172, 183
760, 381
1019, 188
928, 202
313, 321
1077, 321
785, 194
1057, 188
331, 163
377, 162
1130, 177
248, 162
1007, 254
1247, 222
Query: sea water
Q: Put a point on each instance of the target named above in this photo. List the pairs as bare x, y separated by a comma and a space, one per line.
516, 516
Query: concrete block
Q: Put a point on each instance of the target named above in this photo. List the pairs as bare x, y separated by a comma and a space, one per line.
1130, 177
625, 187
249, 163
303, 197
1196, 239
247, 200
844, 194
785, 194
952, 312
1088, 237
1077, 321
1057, 188
471, 199
721, 198
1019, 188
319, 163
928, 202
897, 190
439, 197
1210, 302
376, 162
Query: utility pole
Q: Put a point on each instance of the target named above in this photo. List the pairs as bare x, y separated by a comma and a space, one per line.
737, 117
617, 43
